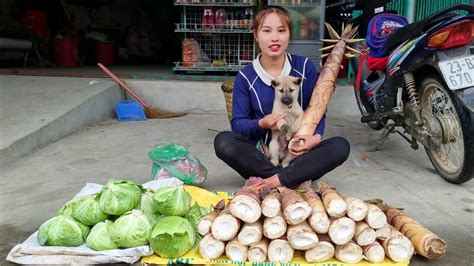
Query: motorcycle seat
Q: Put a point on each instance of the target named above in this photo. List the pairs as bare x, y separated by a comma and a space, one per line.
411, 31
417, 28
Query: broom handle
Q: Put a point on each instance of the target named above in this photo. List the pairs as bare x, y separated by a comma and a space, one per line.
124, 86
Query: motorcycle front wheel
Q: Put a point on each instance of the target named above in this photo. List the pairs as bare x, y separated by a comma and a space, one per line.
451, 123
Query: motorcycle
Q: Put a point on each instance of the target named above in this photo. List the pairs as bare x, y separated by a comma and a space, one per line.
427, 89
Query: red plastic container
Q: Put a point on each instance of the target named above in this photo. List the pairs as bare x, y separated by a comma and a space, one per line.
65, 52
105, 52
343, 71
38, 21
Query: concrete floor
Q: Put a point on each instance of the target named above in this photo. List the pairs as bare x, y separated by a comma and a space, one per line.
34, 187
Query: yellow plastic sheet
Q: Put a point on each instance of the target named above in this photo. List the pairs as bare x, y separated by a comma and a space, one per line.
206, 199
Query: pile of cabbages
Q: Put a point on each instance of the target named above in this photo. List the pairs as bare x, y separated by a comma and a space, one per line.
125, 215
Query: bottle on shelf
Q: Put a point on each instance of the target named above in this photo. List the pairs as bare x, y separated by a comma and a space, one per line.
240, 19
244, 21
236, 24
229, 22
249, 18
208, 19
220, 20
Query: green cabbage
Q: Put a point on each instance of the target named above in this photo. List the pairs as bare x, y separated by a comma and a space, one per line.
62, 230
153, 217
131, 230
67, 208
146, 202
85, 229
194, 215
119, 196
172, 237
87, 210
172, 201
99, 237
147, 206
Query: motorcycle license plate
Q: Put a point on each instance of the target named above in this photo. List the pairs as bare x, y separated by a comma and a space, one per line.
459, 72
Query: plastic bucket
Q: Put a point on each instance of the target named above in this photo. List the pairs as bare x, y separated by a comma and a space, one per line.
65, 52
105, 52
38, 21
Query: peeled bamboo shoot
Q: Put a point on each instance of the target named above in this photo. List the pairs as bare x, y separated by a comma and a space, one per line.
225, 226
356, 208
398, 247
318, 219
271, 205
383, 232
274, 227
279, 250
335, 205
211, 248
235, 251
375, 217
204, 225
374, 252
323, 251
319, 222
364, 235
349, 253
258, 252
295, 209
251, 233
301, 236
342, 230
246, 205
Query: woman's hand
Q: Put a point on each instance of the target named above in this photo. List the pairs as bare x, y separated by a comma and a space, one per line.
309, 143
270, 121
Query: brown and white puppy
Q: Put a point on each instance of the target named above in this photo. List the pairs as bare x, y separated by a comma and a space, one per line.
285, 103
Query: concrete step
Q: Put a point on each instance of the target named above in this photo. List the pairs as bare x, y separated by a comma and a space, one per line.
35, 111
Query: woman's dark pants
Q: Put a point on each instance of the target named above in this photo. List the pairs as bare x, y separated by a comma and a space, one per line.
243, 156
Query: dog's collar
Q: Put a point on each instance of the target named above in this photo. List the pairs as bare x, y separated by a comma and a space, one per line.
264, 76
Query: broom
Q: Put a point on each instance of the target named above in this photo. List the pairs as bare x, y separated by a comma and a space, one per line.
150, 112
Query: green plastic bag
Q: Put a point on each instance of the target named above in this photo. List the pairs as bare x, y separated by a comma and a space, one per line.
174, 160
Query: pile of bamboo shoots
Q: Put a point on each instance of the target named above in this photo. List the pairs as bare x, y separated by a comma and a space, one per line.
321, 224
